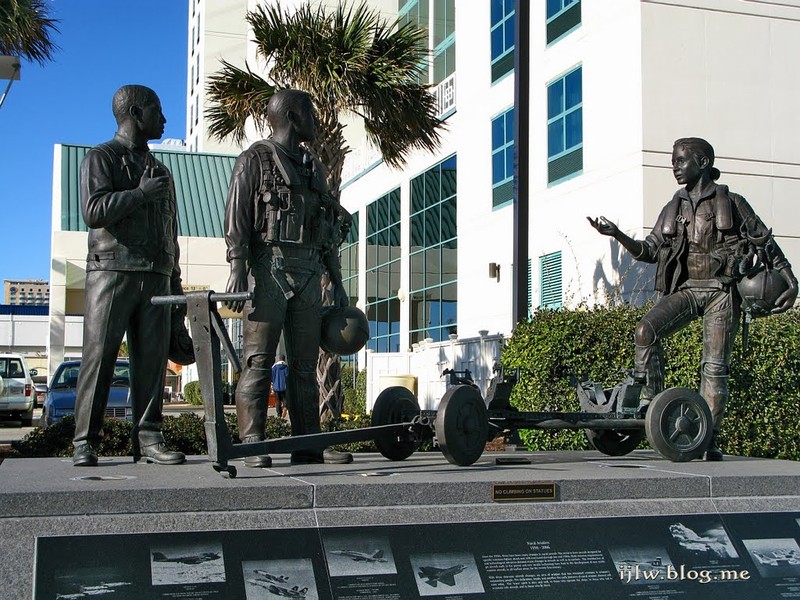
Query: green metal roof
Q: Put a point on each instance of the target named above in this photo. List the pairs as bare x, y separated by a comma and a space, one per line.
201, 186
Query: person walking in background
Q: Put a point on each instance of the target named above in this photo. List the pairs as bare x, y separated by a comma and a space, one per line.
279, 371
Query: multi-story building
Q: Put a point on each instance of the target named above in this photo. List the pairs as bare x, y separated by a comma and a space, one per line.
217, 31
26, 291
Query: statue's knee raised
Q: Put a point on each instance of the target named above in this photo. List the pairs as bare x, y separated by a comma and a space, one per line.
645, 335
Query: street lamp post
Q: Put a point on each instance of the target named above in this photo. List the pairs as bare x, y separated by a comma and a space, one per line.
9, 69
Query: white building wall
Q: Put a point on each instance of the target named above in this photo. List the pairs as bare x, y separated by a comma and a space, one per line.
732, 78
607, 47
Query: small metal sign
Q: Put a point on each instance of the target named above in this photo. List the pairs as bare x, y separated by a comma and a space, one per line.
525, 492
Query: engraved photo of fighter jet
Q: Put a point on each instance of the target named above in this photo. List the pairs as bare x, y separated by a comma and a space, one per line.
193, 559
376, 556
434, 575
714, 540
265, 576
279, 590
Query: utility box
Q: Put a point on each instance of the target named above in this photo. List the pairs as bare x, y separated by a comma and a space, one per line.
407, 381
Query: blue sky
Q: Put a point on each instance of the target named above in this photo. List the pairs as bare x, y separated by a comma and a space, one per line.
104, 44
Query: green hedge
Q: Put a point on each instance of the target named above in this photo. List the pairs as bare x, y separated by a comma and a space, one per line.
597, 343
192, 394
184, 432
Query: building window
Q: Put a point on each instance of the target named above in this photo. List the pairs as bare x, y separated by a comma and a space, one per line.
438, 18
348, 255
565, 126
562, 17
550, 280
502, 35
383, 273
416, 12
503, 158
434, 253
444, 40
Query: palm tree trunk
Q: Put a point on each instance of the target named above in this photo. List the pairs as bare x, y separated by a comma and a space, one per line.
331, 149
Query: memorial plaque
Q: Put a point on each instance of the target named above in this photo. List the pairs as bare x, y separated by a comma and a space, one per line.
524, 492
725, 557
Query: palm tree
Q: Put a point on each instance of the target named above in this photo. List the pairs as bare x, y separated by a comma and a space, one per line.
25, 30
351, 61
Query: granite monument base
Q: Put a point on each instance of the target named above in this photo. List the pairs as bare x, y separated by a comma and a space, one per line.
563, 524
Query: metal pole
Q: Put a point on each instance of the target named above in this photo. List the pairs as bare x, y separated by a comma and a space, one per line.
10, 82
521, 159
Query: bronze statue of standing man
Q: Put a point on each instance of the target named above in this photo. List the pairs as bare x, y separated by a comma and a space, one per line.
281, 228
128, 202
700, 245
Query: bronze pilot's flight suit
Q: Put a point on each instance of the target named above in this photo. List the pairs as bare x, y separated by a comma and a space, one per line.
698, 248
280, 216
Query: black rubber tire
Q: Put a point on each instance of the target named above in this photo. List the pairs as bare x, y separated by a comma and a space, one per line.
615, 442
678, 424
462, 425
395, 404
26, 418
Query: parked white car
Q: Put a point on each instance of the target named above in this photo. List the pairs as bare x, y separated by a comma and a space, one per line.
17, 398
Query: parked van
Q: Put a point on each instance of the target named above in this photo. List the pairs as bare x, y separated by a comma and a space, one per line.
17, 398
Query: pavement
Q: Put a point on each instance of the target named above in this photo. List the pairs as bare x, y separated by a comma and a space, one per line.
50, 497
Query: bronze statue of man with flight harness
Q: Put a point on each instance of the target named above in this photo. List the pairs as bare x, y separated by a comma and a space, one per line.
283, 228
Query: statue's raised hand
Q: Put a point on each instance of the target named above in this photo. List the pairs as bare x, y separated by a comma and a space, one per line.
604, 226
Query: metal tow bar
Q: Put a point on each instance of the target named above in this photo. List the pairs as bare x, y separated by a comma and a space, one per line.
394, 428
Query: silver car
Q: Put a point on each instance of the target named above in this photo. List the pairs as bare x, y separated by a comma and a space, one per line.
17, 398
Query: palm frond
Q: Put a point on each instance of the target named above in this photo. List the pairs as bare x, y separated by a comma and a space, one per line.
234, 95
25, 30
349, 59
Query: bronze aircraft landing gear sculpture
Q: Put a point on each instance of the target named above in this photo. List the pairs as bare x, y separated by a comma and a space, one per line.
398, 427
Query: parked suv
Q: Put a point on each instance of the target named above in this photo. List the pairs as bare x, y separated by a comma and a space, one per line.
17, 398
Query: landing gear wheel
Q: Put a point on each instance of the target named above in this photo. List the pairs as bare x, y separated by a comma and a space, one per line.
615, 442
462, 425
678, 424
395, 404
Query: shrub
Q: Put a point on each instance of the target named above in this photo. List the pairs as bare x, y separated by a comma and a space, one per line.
192, 394
597, 343
185, 432
277, 427
56, 440
348, 422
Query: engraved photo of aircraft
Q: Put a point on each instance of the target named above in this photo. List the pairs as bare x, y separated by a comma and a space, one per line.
434, 575
192, 559
86, 591
264, 576
376, 556
715, 541
777, 558
279, 590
